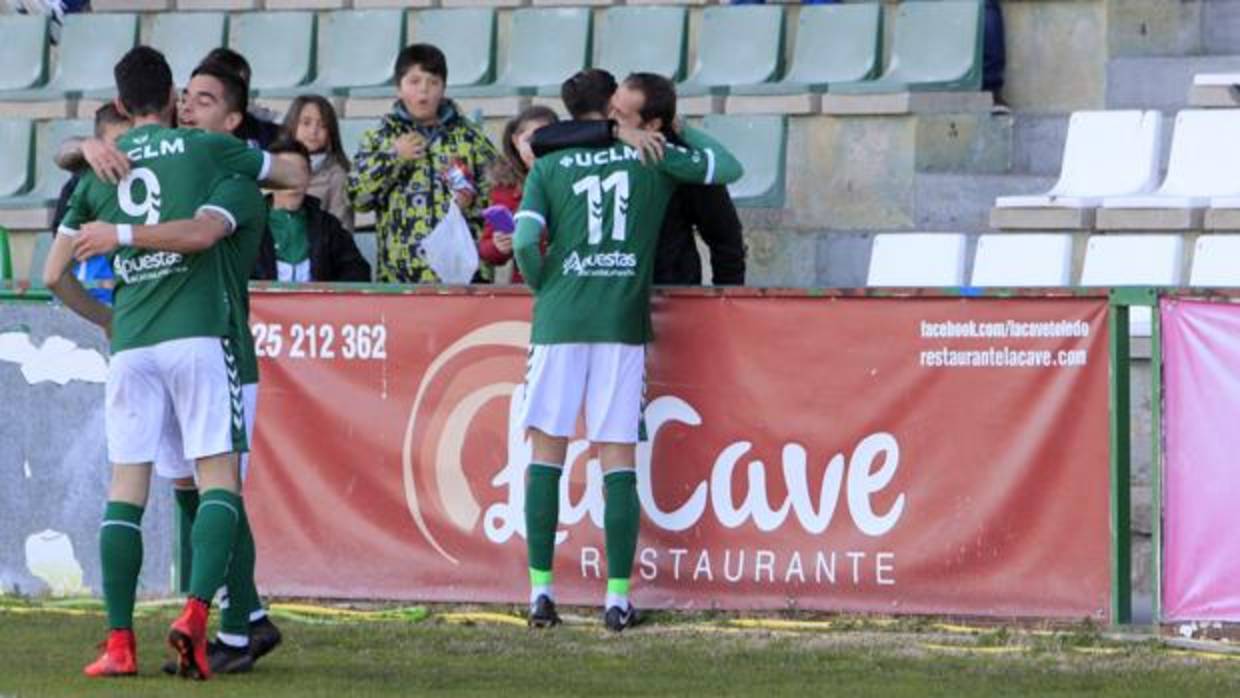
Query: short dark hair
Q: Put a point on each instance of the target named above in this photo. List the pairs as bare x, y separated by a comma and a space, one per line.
231, 61
107, 115
143, 81
287, 144
659, 95
236, 96
425, 56
588, 91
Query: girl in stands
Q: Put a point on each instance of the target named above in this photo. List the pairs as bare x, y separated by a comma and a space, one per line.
311, 121
507, 177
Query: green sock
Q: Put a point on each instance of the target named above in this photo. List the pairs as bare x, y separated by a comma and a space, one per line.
187, 508
542, 515
242, 593
621, 518
214, 536
120, 555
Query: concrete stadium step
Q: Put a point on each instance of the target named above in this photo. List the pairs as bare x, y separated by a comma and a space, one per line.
1038, 142
962, 203
1159, 82
1221, 27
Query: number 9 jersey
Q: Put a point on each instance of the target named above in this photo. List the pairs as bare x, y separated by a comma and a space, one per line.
161, 296
603, 210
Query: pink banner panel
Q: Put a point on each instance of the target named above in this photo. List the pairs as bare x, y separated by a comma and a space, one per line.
1201, 559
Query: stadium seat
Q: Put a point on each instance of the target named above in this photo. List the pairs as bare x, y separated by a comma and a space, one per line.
648, 39
835, 43
351, 131
548, 46
1134, 260
23, 51
29, 211
367, 244
42, 246
17, 144
937, 47
6, 257
90, 45
1215, 260
1107, 153
279, 45
344, 62
1214, 90
460, 33
1204, 151
185, 37
759, 142
737, 45
1016, 260
917, 260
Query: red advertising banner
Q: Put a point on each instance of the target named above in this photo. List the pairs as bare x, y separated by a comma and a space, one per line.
894, 455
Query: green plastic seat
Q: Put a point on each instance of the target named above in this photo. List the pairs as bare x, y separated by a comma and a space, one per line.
280, 47
549, 45
23, 52
6, 256
17, 144
49, 179
344, 62
42, 246
368, 245
90, 45
647, 39
351, 131
759, 142
186, 37
835, 43
737, 45
937, 47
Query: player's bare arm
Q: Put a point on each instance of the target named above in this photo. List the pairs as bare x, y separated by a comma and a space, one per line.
108, 163
68, 289
183, 236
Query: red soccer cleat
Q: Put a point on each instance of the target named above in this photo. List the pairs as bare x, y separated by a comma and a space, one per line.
188, 637
119, 658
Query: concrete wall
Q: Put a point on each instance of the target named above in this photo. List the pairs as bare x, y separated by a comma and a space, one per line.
53, 460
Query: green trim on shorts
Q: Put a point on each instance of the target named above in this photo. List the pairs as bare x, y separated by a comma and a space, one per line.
240, 440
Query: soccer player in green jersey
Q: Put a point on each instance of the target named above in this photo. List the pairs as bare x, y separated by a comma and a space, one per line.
172, 360
216, 101
602, 210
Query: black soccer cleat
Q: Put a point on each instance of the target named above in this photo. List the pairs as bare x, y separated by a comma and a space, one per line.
264, 637
225, 659
617, 619
542, 614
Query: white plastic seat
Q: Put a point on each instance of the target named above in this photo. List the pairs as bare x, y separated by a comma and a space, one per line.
1205, 163
1134, 260
917, 260
1024, 260
1216, 261
1216, 79
1107, 153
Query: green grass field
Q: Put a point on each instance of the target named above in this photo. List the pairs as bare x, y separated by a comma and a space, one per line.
448, 653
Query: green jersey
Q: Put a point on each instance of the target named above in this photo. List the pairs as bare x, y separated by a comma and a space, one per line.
161, 296
240, 201
603, 210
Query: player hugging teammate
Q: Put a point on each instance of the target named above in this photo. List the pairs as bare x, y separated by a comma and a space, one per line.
602, 210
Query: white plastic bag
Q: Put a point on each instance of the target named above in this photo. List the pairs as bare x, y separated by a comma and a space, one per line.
450, 249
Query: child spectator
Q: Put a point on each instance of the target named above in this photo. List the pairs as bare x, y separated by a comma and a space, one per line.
423, 156
507, 177
110, 124
309, 243
311, 121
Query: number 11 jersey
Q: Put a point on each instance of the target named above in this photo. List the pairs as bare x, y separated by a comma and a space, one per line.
603, 210
161, 296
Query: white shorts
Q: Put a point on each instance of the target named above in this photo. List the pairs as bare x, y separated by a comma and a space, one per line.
170, 461
182, 381
611, 378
